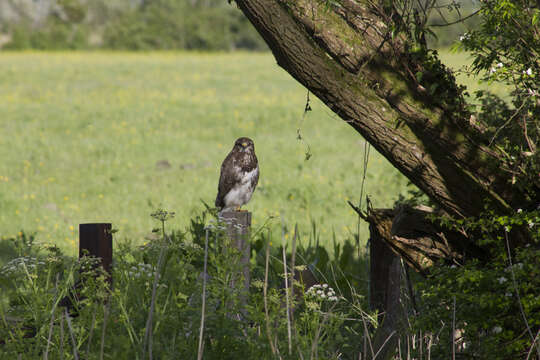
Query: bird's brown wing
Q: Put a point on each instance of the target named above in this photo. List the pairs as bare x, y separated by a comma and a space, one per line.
255, 180
227, 179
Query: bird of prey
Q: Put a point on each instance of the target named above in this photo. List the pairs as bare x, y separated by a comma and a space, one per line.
239, 176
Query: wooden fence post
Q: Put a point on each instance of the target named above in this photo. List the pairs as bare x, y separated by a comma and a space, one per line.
385, 282
96, 240
239, 230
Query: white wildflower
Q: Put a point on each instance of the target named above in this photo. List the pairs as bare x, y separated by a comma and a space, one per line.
497, 330
500, 65
322, 293
502, 280
531, 224
529, 71
519, 211
492, 70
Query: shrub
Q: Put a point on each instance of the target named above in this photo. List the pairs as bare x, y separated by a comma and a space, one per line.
497, 307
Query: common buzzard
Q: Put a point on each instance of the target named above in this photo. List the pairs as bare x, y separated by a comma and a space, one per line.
239, 176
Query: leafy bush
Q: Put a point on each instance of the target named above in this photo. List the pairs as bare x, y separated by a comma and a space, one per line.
494, 298
496, 305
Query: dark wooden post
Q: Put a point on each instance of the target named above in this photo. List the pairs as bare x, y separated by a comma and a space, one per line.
384, 281
384, 286
239, 230
96, 240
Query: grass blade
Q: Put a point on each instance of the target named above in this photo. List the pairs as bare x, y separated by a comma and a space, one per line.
201, 332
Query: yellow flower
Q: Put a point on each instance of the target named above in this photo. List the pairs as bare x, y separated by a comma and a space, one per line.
66, 198
71, 227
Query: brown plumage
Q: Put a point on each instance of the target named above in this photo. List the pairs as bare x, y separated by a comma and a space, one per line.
239, 175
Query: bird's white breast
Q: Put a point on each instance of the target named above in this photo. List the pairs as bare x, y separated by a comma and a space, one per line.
241, 193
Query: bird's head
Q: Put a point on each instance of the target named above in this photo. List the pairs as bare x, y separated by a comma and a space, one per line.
244, 144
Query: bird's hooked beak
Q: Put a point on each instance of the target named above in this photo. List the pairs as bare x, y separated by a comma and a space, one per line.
244, 144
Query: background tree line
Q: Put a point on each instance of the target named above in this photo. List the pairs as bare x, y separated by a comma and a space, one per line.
125, 25
158, 24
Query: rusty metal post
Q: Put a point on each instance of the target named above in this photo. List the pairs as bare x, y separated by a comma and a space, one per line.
96, 240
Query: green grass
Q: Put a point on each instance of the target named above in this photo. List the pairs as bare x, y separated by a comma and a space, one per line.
81, 135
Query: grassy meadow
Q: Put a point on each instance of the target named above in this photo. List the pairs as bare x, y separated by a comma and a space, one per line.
109, 137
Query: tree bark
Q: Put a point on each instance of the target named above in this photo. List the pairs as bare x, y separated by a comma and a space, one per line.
347, 57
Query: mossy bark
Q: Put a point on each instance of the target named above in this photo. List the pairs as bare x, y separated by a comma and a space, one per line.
347, 57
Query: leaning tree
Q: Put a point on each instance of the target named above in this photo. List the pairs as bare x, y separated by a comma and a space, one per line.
369, 62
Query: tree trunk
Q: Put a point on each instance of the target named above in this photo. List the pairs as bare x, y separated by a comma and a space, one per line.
353, 55
347, 57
